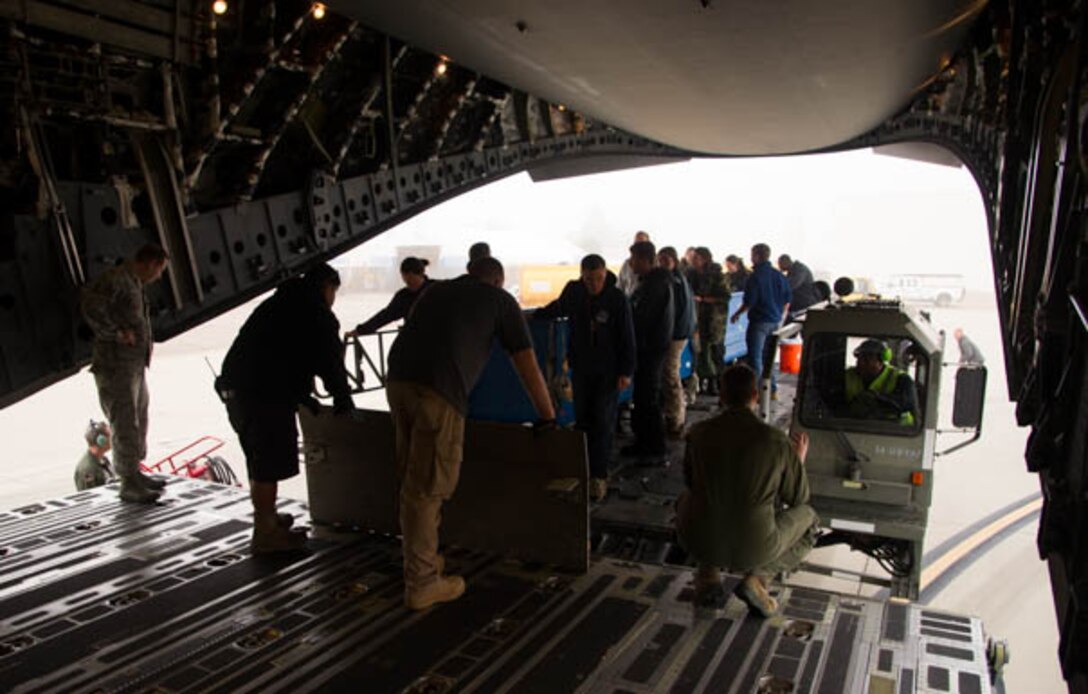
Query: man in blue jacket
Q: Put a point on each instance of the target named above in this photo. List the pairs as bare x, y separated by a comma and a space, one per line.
602, 357
767, 298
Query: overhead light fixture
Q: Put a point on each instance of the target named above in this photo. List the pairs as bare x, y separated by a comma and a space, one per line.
219, 6
441, 68
562, 107
319, 10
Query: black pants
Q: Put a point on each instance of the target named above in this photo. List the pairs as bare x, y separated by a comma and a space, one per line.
595, 399
648, 421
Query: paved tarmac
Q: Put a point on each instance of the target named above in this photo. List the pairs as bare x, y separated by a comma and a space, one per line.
1001, 581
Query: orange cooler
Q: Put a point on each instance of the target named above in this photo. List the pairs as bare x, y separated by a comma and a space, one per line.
790, 357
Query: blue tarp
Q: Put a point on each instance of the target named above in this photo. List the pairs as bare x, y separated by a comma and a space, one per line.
500, 397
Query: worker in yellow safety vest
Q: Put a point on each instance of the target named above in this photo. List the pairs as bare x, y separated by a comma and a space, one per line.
877, 390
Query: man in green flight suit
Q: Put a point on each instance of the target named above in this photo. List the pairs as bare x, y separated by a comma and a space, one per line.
93, 469
746, 507
711, 292
877, 390
115, 307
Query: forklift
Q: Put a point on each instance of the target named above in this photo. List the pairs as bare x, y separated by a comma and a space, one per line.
870, 467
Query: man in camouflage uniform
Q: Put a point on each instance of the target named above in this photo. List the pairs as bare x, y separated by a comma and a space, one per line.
747, 504
115, 307
93, 469
711, 291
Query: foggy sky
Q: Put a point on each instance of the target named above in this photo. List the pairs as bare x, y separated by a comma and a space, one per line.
856, 213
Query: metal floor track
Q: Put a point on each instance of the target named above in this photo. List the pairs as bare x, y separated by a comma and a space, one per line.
96, 595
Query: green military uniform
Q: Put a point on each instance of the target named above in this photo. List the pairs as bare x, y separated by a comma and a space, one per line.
746, 508
712, 312
92, 471
114, 302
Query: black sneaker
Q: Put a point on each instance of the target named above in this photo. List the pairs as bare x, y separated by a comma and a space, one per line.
153, 483
710, 597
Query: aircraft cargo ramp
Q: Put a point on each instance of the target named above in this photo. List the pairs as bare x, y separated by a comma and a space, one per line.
100, 596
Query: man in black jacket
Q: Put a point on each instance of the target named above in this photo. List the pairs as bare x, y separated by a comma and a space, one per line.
268, 372
652, 311
602, 357
802, 286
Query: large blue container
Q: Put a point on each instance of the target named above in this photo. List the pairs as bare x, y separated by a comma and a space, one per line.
499, 395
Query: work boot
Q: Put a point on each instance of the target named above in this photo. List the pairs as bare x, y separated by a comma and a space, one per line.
754, 594
277, 539
598, 488
135, 492
710, 596
709, 591
444, 589
152, 483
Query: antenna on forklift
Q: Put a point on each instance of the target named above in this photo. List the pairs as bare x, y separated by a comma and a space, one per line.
211, 368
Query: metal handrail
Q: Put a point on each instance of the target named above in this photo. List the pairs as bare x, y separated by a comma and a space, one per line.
362, 363
357, 374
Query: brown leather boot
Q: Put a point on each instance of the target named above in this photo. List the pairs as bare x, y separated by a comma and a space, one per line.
445, 589
754, 594
269, 540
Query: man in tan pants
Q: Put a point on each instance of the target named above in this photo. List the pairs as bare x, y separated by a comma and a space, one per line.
433, 366
675, 405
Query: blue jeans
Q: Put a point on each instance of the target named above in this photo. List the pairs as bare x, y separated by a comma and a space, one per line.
756, 339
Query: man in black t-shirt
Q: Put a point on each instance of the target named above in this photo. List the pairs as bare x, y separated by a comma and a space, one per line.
433, 365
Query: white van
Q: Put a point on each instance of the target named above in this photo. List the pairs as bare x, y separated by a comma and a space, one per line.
941, 290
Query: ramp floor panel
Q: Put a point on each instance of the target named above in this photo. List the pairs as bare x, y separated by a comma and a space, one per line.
96, 595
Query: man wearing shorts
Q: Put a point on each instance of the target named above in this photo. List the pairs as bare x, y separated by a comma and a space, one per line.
268, 372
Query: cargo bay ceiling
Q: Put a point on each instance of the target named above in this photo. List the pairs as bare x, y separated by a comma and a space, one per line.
255, 142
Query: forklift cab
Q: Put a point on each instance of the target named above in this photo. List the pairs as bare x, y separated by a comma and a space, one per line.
872, 429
